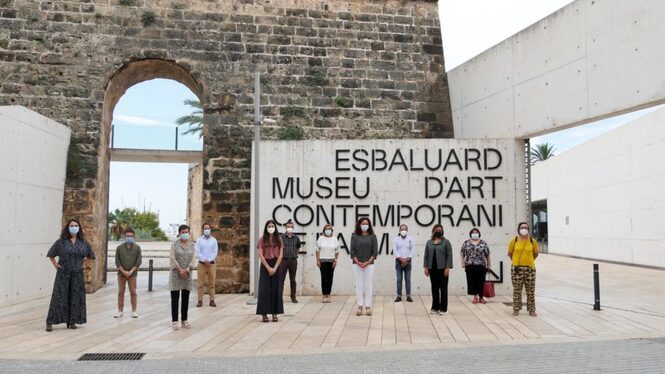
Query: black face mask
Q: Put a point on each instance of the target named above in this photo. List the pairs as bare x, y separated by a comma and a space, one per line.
438, 234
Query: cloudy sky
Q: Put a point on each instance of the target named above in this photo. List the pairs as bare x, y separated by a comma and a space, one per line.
145, 116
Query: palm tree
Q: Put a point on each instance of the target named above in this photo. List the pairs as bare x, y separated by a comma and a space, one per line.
541, 152
194, 120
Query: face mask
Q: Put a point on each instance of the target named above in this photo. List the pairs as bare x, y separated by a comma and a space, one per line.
328, 232
364, 227
271, 230
130, 239
289, 230
403, 232
524, 232
184, 236
206, 232
438, 234
73, 230
475, 235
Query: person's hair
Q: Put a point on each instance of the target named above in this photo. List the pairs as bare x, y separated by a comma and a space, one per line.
522, 223
182, 227
271, 239
359, 231
326, 226
475, 229
289, 222
405, 225
129, 230
64, 234
438, 225
206, 224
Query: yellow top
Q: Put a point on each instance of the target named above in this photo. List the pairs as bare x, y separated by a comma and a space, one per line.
523, 252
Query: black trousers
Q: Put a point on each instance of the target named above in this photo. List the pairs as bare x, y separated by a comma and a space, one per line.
175, 296
439, 290
475, 279
290, 265
270, 291
327, 271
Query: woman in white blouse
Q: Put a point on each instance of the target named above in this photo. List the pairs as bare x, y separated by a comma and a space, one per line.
327, 251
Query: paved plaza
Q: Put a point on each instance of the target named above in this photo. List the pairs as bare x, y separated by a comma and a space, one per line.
567, 336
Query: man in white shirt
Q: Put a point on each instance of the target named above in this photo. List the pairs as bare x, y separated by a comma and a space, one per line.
206, 253
403, 250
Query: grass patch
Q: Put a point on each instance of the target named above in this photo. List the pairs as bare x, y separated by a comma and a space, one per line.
343, 102
291, 133
148, 18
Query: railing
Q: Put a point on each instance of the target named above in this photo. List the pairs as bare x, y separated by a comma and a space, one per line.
163, 138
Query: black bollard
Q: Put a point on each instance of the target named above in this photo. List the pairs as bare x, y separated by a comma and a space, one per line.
150, 269
596, 287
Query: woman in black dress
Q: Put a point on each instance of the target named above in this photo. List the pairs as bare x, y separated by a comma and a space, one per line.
68, 298
270, 250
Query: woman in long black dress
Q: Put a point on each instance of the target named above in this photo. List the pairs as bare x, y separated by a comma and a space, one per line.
270, 250
68, 298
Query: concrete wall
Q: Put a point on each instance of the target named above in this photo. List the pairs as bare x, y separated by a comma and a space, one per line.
396, 187
606, 197
33, 154
591, 59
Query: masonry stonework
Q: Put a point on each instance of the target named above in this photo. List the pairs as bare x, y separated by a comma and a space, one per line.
351, 69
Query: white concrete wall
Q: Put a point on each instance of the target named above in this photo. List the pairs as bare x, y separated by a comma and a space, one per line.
612, 192
591, 59
33, 159
317, 159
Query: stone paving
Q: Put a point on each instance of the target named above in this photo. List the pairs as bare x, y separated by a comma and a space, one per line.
614, 356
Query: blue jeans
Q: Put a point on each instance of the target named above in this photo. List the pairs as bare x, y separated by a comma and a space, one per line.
407, 277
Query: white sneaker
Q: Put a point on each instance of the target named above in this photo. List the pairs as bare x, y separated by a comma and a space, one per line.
444, 313
135, 315
118, 315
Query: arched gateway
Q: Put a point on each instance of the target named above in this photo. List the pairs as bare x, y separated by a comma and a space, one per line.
344, 70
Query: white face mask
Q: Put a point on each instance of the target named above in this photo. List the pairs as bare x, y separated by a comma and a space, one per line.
403, 232
364, 227
271, 230
206, 232
524, 232
475, 236
289, 230
328, 232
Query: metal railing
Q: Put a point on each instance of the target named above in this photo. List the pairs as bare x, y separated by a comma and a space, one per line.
150, 135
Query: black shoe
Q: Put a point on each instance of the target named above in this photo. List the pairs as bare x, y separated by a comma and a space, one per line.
49, 327
398, 299
294, 300
72, 326
409, 299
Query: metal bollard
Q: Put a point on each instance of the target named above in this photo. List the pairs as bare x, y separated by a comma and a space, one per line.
596, 287
150, 270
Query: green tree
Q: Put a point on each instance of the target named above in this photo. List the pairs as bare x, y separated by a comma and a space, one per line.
194, 120
146, 224
542, 152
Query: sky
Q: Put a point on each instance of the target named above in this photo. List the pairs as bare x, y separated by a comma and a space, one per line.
145, 116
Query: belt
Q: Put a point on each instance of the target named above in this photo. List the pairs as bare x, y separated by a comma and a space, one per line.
211, 262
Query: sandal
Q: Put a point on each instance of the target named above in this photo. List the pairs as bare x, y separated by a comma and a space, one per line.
275, 319
175, 326
474, 300
323, 299
186, 325
482, 301
265, 318
359, 312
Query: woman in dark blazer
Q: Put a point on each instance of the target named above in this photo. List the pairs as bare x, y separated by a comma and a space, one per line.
438, 262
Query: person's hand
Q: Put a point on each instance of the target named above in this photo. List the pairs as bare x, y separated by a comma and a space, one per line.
272, 271
58, 267
463, 265
446, 272
318, 263
334, 263
426, 272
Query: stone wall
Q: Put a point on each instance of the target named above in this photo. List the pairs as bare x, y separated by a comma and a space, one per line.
342, 69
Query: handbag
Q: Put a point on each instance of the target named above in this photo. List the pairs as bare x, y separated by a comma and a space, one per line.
488, 289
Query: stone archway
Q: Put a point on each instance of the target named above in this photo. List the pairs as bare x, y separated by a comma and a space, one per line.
128, 75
